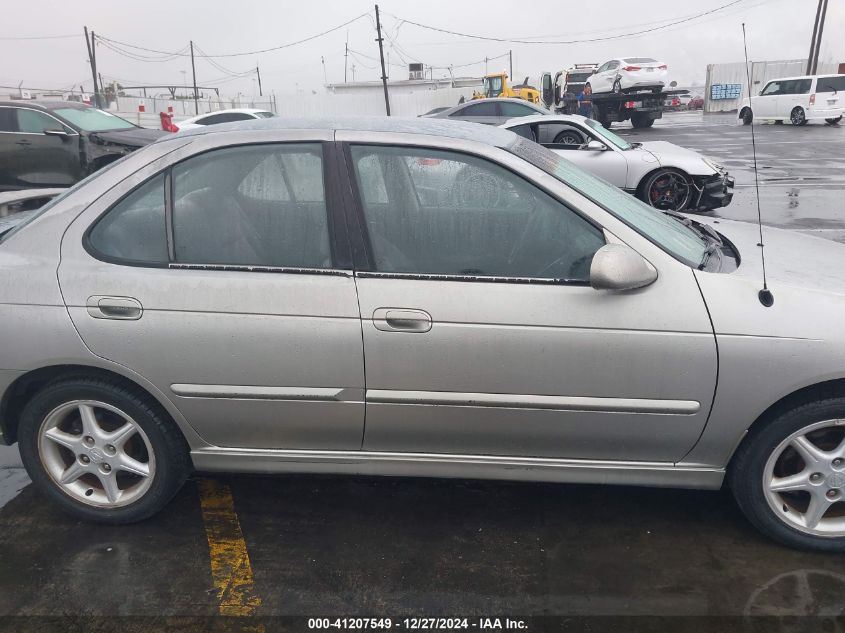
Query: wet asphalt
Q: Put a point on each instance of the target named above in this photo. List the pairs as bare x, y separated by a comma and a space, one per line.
387, 547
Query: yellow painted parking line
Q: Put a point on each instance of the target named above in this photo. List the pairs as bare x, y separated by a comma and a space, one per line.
231, 572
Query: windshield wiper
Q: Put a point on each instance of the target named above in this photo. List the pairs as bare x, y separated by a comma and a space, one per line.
706, 233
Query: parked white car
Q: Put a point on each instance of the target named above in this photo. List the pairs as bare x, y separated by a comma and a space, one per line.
797, 99
625, 73
224, 116
666, 176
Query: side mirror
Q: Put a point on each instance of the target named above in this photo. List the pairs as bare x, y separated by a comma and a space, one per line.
619, 267
595, 146
60, 133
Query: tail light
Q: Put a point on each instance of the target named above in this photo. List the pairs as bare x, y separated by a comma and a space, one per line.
630, 104
631, 69
812, 99
429, 162
663, 67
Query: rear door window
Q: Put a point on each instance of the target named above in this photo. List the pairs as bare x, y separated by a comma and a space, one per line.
8, 120
486, 108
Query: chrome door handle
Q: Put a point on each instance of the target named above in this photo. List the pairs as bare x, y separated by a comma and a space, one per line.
23, 142
401, 320
119, 308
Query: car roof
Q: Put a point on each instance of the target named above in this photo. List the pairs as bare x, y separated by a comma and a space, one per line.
487, 134
461, 106
803, 77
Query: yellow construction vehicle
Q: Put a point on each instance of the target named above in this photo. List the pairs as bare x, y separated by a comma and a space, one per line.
496, 85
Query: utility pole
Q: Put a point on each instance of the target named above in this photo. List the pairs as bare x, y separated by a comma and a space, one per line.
346, 59
194, 73
510, 63
258, 72
380, 39
819, 40
813, 39
92, 60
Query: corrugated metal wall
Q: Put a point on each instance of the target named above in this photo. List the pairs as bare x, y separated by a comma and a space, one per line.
761, 73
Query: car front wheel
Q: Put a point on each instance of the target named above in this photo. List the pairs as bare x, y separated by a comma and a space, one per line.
667, 190
788, 476
102, 450
747, 116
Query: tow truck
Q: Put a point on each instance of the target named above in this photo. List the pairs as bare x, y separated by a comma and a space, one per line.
641, 106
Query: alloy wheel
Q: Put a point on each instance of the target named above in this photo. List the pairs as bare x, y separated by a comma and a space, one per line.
804, 479
798, 117
669, 191
96, 453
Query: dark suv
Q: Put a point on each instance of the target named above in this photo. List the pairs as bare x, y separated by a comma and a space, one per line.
57, 143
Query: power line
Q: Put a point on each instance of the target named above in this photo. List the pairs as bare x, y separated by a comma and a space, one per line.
574, 41
264, 50
42, 37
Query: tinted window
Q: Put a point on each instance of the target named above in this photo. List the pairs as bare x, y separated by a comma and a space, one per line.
35, 122
511, 109
486, 108
8, 120
260, 205
830, 84
134, 229
224, 117
449, 213
795, 87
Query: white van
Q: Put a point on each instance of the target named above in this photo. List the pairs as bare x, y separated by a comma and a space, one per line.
798, 99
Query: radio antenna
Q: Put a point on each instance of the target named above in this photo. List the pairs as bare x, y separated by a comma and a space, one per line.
765, 295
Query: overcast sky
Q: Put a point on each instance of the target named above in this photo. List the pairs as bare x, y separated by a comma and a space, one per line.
777, 29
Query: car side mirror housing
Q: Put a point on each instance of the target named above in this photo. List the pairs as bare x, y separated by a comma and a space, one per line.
619, 267
60, 133
596, 146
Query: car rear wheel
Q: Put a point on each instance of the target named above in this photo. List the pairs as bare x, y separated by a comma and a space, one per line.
797, 116
747, 116
833, 121
788, 476
103, 451
667, 190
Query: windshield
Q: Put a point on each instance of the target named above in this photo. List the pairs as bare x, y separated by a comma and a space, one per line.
668, 232
607, 135
492, 86
93, 120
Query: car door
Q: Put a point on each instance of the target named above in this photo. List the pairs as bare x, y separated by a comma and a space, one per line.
481, 332
225, 281
765, 105
35, 158
598, 81
608, 163
794, 93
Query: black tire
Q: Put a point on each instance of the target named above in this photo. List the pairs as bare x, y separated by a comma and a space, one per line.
600, 116
833, 121
798, 116
747, 116
172, 461
569, 137
641, 121
745, 474
652, 180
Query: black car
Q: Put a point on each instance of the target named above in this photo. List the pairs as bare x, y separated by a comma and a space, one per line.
57, 143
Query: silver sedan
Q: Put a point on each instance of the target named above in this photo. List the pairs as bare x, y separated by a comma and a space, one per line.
208, 302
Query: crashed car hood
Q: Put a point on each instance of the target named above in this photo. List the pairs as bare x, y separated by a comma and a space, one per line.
132, 137
671, 155
792, 259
